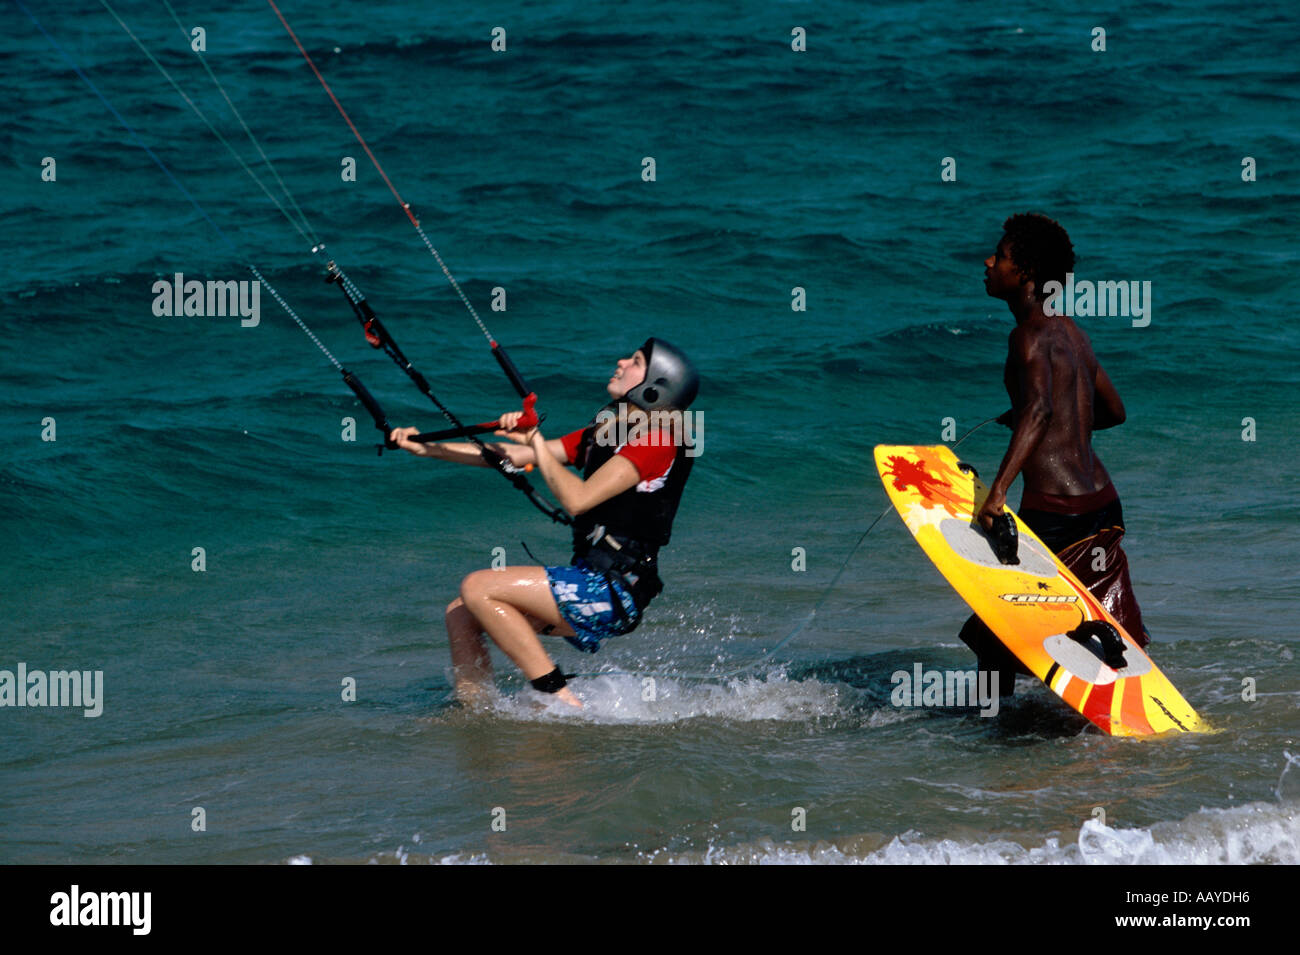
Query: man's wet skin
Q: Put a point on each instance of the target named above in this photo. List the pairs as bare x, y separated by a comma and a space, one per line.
1059, 394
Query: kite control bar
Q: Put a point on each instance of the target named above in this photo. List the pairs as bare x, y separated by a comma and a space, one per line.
528, 420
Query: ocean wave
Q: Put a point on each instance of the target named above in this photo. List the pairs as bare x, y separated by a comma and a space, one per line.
1254, 834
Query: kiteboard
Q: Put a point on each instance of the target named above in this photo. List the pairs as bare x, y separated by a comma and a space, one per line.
1036, 607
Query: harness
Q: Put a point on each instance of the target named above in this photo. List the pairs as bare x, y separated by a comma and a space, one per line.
621, 537
627, 562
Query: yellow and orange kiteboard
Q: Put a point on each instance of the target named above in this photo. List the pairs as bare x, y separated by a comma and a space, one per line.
1032, 606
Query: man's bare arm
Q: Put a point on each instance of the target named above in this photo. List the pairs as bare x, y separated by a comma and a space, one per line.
1107, 409
1034, 371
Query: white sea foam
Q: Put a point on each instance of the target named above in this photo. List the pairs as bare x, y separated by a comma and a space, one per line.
633, 698
462, 858
1254, 834
1258, 833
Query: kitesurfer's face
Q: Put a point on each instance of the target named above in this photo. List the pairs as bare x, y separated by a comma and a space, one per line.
1001, 277
629, 374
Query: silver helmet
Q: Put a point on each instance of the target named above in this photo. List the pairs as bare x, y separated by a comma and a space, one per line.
671, 381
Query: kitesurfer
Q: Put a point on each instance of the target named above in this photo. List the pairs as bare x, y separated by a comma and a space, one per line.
634, 461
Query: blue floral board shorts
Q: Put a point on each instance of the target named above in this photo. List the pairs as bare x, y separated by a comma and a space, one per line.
585, 598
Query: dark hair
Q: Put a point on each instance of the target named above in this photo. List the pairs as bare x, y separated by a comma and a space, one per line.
1040, 248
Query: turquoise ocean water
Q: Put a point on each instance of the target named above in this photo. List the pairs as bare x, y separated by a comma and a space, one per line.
775, 169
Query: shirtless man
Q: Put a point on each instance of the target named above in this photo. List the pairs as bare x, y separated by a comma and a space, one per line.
1059, 395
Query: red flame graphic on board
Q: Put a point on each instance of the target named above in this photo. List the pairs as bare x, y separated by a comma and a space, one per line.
926, 475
